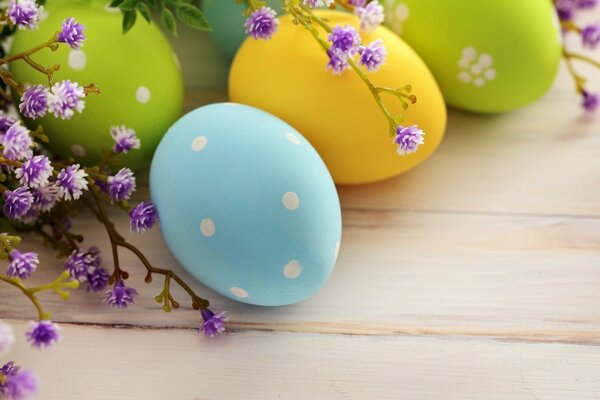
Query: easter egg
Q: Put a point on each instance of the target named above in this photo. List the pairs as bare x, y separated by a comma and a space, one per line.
246, 204
138, 75
286, 76
226, 19
488, 56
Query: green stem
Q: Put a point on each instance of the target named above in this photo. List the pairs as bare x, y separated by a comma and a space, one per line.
27, 292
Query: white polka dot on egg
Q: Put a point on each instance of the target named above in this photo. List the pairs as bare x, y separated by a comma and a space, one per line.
78, 150
77, 60
199, 143
292, 269
142, 94
291, 201
239, 292
207, 227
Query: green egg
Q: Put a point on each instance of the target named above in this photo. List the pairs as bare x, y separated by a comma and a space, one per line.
227, 22
138, 75
488, 56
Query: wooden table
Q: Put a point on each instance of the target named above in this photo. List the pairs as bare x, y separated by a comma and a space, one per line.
475, 276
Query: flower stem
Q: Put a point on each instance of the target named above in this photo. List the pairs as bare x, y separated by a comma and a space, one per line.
16, 282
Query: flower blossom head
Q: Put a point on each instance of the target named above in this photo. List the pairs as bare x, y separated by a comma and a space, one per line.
344, 41
586, 4
121, 185
43, 333
213, 323
34, 172
7, 337
81, 263
591, 101
565, 9
66, 98
357, 3
371, 15
22, 265
71, 33
372, 56
17, 202
71, 182
120, 296
34, 102
5, 123
45, 197
17, 142
97, 279
125, 139
590, 35
262, 23
24, 14
16, 384
408, 139
337, 64
317, 3
142, 217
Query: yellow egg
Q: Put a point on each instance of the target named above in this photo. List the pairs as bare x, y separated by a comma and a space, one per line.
286, 76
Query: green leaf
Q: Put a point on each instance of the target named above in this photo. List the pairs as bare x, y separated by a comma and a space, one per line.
116, 3
129, 5
128, 20
145, 11
192, 17
169, 21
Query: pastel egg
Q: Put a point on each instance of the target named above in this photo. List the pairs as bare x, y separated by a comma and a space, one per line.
286, 76
488, 56
227, 19
246, 204
138, 75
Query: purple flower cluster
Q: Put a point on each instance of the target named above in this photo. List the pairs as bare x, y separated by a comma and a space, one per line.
17, 202
24, 14
22, 265
125, 139
34, 102
408, 139
71, 33
45, 197
43, 333
567, 9
590, 35
371, 15
16, 384
142, 217
85, 266
71, 182
120, 296
16, 142
372, 56
262, 23
122, 185
345, 43
34, 172
213, 323
591, 101
65, 98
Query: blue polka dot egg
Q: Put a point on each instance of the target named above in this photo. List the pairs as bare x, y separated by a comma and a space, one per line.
246, 204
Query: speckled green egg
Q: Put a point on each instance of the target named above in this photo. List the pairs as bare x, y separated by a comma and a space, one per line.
487, 55
138, 74
227, 22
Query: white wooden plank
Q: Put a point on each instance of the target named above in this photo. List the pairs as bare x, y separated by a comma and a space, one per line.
102, 363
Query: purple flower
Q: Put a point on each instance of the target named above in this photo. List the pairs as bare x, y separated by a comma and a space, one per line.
45, 198
344, 41
371, 16
318, 3
81, 263
7, 337
43, 333
5, 123
34, 172
23, 13
408, 139
357, 3
590, 35
17, 142
373, 55
213, 323
142, 217
65, 97
22, 265
565, 9
120, 296
71, 33
586, 4
71, 182
124, 138
34, 102
591, 101
17, 202
121, 185
262, 23
336, 63
97, 279
16, 384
